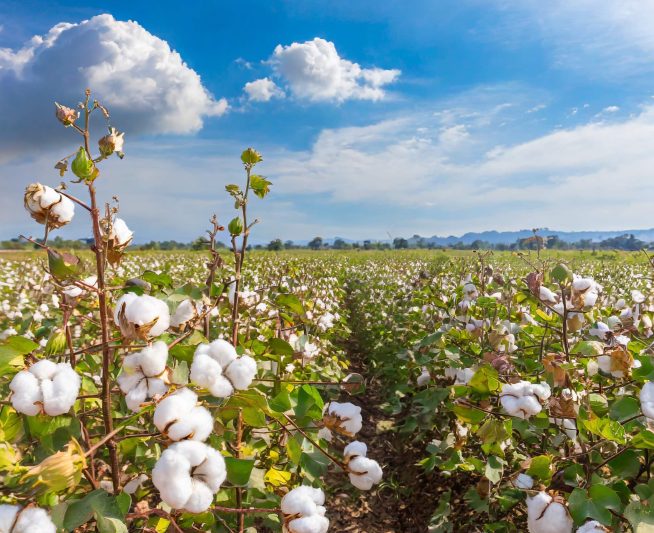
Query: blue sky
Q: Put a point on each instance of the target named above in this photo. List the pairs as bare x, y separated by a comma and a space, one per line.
429, 117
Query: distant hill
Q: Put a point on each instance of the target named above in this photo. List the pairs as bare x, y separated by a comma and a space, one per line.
509, 237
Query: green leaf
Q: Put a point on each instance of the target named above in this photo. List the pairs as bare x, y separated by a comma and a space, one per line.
561, 273
468, 415
624, 408
290, 302
640, 516
309, 403
99, 505
541, 467
64, 266
605, 427
239, 470
643, 440
494, 469
485, 380
280, 347
597, 504
160, 280
259, 185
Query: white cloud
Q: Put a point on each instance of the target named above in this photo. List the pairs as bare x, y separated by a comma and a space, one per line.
316, 72
262, 90
616, 34
593, 176
147, 86
611, 109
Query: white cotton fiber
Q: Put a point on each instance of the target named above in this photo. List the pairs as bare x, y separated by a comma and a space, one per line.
47, 387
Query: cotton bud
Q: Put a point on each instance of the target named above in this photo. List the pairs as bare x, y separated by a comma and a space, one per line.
47, 206
524, 399
141, 317
304, 511
144, 375
547, 515
179, 417
218, 368
593, 526
56, 344
113, 142
523, 481
45, 387
188, 474
60, 471
83, 166
186, 312
14, 519
647, 400
66, 115
343, 418
364, 472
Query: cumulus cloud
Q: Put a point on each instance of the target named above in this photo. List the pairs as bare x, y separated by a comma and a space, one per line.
145, 84
315, 71
262, 90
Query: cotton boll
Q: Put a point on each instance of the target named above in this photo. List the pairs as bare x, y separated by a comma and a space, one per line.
185, 312
593, 526
188, 474
303, 501
134, 484
547, 295
143, 375
647, 400
364, 472
45, 387
47, 206
153, 359
141, 317
241, 372
309, 524
424, 378
523, 399
354, 449
523, 481
178, 417
546, 515
344, 418
26, 395
13, 519
217, 368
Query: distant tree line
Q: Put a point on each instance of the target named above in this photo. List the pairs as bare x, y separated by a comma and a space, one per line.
624, 242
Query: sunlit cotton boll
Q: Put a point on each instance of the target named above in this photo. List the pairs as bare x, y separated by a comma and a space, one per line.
13, 519
218, 368
424, 378
344, 418
143, 375
141, 317
523, 399
364, 472
523, 481
46, 387
304, 511
647, 400
187, 311
73, 291
179, 417
546, 515
45, 205
188, 474
585, 292
593, 526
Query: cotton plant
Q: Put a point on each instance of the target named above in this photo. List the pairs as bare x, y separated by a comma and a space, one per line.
144, 375
45, 387
363, 471
218, 368
188, 474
